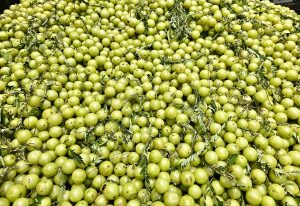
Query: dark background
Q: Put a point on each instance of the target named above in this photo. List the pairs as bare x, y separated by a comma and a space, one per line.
4, 4
295, 5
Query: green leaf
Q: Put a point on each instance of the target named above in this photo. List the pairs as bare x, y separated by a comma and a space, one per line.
78, 159
143, 164
231, 160
35, 112
3, 117
179, 21
96, 146
297, 138
192, 157
96, 161
218, 201
37, 200
242, 201
213, 106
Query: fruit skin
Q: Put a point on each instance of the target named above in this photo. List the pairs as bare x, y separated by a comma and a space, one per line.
76, 193
276, 191
111, 191
44, 187
171, 198
254, 197
129, 191
14, 192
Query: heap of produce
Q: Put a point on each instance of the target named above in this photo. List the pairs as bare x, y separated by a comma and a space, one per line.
149, 103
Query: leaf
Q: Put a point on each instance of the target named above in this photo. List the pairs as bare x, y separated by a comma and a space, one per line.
297, 138
264, 166
218, 201
61, 178
231, 160
143, 164
37, 200
78, 159
1, 116
35, 112
179, 21
97, 161
96, 146
89, 138
216, 136
242, 201
193, 156
83, 1
248, 169
62, 189
213, 106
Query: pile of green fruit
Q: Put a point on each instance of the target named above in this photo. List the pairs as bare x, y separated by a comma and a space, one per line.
149, 103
